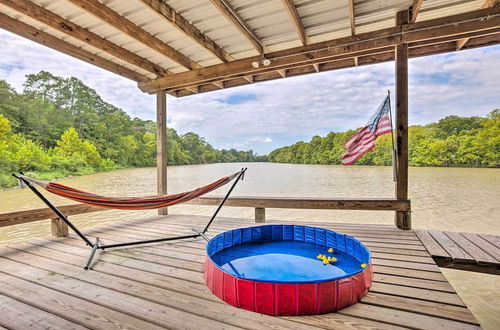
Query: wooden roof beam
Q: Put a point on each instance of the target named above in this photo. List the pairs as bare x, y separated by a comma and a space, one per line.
114, 19
362, 60
461, 43
248, 78
490, 3
193, 89
288, 67
297, 22
219, 84
352, 17
47, 17
415, 9
182, 24
346, 47
316, 67
232, 16
487, 4
43, 38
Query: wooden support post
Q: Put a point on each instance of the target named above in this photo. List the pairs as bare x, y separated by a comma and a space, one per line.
59, 228
260, 215
161, 146
403, 218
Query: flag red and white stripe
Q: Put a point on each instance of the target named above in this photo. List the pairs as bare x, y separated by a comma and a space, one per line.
364, 140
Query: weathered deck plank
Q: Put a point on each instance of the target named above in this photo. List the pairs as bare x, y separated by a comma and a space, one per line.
161, 285
64, 305
465, 251
16, 314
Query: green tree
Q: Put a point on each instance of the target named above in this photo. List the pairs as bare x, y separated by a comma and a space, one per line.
70, 145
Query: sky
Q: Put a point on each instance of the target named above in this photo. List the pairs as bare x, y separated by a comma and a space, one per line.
269, 115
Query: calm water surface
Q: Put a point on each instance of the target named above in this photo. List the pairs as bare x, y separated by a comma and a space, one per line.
455, 199
285, 261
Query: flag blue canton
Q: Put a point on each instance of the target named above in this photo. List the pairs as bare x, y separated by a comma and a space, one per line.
382, 110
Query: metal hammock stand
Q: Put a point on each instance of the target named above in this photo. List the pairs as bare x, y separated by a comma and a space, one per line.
95, 246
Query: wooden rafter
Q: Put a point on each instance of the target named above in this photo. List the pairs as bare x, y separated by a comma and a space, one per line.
348, 47
352, 17
420, 49
248, 78
111, 17
297, 22
487, 4
228, 11
490, 3
282, 73
219, 84
73, 30
193, 89
182, 24
382, 57
461, 43
43, 38
415, 9
316, 67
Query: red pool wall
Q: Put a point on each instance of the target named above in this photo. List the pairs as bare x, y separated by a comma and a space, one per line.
284, 298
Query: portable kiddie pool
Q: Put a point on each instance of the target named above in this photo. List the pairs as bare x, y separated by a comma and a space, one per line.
284, 269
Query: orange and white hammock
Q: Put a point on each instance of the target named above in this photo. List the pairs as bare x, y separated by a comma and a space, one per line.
129, 203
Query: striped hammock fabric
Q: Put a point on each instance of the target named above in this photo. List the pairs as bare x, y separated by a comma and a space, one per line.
129, 203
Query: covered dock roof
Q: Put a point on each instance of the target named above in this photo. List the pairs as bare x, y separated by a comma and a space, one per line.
186, 47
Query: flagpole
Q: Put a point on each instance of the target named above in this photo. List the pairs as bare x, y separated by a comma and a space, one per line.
394, 172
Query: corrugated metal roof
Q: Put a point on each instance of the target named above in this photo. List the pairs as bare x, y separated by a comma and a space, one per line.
268, 19
439, 8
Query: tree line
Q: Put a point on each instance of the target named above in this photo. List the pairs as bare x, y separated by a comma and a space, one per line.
452, 141
59, 126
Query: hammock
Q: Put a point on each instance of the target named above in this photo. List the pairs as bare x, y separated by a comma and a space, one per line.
129, 203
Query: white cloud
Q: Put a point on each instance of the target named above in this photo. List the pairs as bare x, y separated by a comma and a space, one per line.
465, 83
254, 140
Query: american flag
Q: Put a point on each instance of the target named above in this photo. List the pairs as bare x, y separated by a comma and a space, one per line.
364, 140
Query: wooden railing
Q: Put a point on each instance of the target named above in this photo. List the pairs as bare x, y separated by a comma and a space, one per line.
59, 228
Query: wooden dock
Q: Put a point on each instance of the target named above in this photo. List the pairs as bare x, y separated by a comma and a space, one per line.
42, 283
465, 251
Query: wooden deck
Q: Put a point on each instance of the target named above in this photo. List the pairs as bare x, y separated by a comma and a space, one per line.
466, 251
42, 284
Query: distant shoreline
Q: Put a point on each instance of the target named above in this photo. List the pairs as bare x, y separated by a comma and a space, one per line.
54, 175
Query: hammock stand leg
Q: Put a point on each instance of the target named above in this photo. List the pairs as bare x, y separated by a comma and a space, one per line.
198, 233
107, 246
55, 210
61, 216
238, 178
96, 245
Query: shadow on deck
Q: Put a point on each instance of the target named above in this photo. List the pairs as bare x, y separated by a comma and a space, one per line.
42, 283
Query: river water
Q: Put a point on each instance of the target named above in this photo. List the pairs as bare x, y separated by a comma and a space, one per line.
455, 199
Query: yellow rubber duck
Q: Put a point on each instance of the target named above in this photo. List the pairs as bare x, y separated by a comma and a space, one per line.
333, 259
330, 250
363, 265
325, 261
320, 256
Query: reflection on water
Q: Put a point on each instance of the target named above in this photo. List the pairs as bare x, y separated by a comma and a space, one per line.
456, 199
